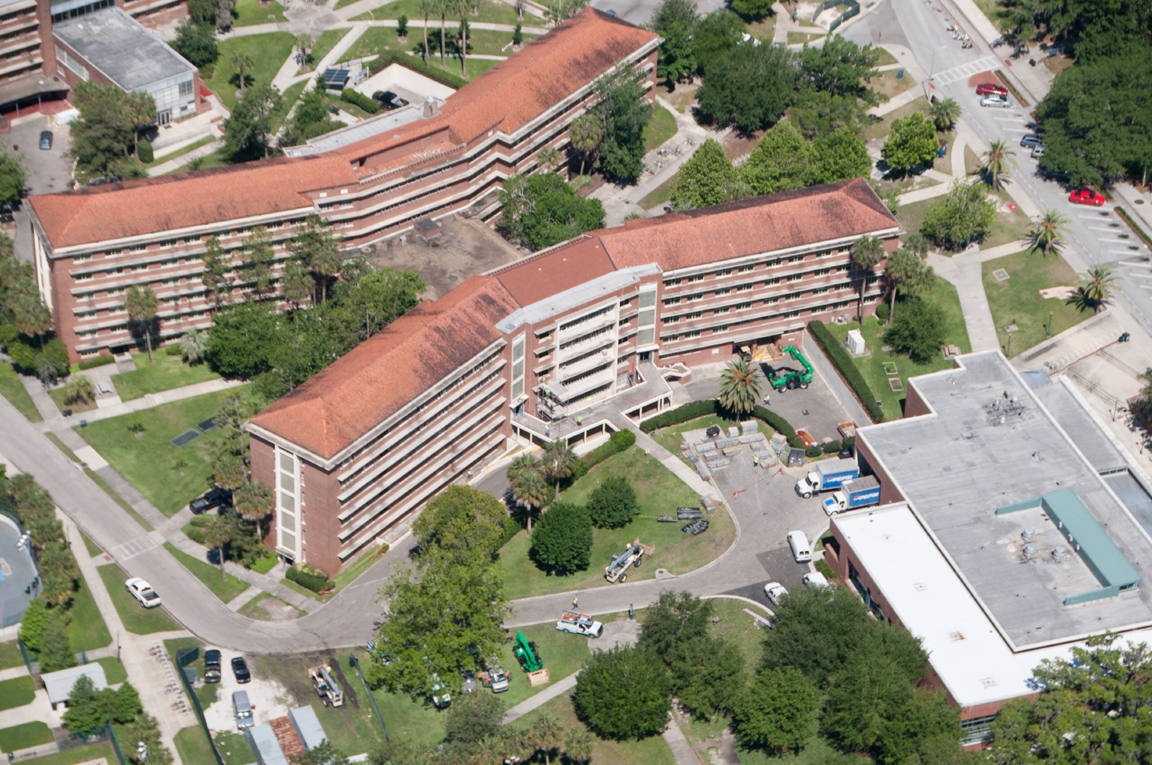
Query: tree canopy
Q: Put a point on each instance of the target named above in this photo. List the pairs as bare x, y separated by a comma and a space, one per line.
624, 111
705, 178
781, 161
612, 503
841, 155
962, 216
462, 521
778, 712
13, 175
104, 136
749, 86
623, 693
675, 21
840, 67
543, 209
911, 142
562, 540
715, 35
249, 130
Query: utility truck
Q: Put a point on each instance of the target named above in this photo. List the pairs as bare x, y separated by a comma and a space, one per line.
579, 624
784, 378
616, 571
326, 686
826, 476
859, 492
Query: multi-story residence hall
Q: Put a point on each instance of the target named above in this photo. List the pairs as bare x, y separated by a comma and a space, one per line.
371, 181
518, 353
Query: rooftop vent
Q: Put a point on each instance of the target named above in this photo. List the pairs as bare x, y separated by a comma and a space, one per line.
956, 635
1059, 553
1028, 535
1031, 551
966, 435
429, 106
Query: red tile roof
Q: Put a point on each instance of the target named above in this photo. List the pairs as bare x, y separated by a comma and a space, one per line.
751, 226
550, 273
381, 375
165, 203
290, 743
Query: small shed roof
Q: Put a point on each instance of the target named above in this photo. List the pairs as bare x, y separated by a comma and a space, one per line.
59, 684
263, 740
307, 726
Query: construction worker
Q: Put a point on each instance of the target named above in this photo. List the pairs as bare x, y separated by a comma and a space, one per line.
755, 459
766, 398
575, 602
579, 420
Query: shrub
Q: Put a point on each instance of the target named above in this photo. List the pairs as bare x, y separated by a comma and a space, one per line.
306, 576
849, 441
359, 99
144, 152
612, 504
831, 447
8, 334
918, 330
99, 361
517, 35
840, 359
172, 350
382, 62
697, 409
79, 390
825, 569
882, 312
402, 26
618, 442
812, 452
562, 539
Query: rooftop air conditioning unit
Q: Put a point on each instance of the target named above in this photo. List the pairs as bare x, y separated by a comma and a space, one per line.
1059, 553
1028, 535
1030, 552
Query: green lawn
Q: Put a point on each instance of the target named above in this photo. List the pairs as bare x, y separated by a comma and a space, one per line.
659, 196
1009, 226
249, 12
267, 51
57, 395
739, 627
12, 389
119, 500
886, 58
149, 462
648, 751
563, 653
816, 752
942, 295
27, 735
658, 492
167, 373
72, 756
254, 609
659, 129
911, 216
799, 38
114, 671
226, 588
10, 655
136, 618
383, 41
88, 630
93, 548
879, 128
1018, 301
193, 746
234, 748
179, 152
62, 447
305, 591
491, 11
484, 41
353, 572
324, 43
16, 693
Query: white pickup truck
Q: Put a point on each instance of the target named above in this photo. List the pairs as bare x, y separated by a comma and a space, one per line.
579, 624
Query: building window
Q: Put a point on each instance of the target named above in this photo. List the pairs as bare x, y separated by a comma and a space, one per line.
978, 730
186, 88
287, 503
646, 324
518, 368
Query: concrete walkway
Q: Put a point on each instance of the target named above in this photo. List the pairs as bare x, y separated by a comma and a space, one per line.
55, 421
681, 749
540, 699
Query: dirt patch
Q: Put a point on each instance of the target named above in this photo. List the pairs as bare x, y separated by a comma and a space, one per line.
270, 610
682, 96
737, 145
1063, 293
464, 249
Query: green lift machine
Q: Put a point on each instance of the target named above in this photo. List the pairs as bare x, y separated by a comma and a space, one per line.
526, 653
790, 379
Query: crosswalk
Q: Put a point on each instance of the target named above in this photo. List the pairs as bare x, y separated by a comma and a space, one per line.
965, 70
132, 548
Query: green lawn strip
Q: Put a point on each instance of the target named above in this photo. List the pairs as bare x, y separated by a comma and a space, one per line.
234, 748
377, 40
658, 492
114, 671
305, 591
816, 752
487, 42
762, 30
87, 630
353, 572
879, 128
265, 564
167, 373
136, 618
1009, 226
650, 751
886, 58
911, 216
739, 627
799, 38
659, 196
149, 462
57, 396
226, 588
493, 12
119, 500
10, 655
62, 447
88, 753
254, 610
179, 152
12, 389
249, 12
24, 736
1018, 301
326, 42
193, 746
659, 129
217, 158
93, 548
956, 333
16, 693
267, 51
562, 652
383, 41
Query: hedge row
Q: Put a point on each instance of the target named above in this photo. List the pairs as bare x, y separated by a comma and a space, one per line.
310, 578
416, 64
698, 409
359, 99
99, 361
840, 359
618, 442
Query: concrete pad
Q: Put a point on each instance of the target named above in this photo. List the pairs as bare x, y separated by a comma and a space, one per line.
623, 633
91, 457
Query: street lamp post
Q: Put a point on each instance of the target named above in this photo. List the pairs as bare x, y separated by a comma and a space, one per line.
932, 68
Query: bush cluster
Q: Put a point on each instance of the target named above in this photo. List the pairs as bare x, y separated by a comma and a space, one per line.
840, 359
812, 452
417, 65
99, 361
698, 409
359, 99
144, 152
311, 578
618, 442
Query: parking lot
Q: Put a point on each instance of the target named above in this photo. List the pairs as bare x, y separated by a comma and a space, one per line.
48, 171
268, 698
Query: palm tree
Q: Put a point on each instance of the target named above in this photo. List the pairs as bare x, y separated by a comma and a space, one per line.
944, 113
217, 533
1095, 288
560, 460
79, 390
866, 253
578, 744
194, 345
463, 8
526, 474
30, 315
304, 43
740, 386
253, 502
586, 132
549, 158
442, 8
427, 8
900, 269
141, 304
997, 160
1048, 234
242, 63
548, 736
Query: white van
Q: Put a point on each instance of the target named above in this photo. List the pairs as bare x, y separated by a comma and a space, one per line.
800, 548
242, 709
815, 579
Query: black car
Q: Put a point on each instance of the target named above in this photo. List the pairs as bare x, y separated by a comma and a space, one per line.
240, 670
212, 666
214, 498
45, 139
388, 100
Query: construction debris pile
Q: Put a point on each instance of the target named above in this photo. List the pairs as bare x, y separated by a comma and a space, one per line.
717, 450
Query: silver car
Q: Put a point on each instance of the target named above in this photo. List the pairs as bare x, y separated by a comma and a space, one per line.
996, 102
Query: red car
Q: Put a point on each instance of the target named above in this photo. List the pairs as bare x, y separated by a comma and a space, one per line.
1086, 197
988, 89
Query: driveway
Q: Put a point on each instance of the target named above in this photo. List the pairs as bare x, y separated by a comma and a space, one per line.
48, 171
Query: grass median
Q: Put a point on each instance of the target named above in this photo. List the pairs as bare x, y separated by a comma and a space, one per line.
87, 630
16, 692
658, 492
27, 735
136, 618
224, 587
168, 373
1017, 301
13, 389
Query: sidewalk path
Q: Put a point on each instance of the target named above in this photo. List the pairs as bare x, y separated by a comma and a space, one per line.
540, 699
964, 271
54, 421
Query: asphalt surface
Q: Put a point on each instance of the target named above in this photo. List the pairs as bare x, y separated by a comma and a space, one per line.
48, 171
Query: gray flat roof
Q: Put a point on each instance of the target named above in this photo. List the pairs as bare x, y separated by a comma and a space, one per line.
990, 442
121, 48
346, 136
1072, 417
307, 726
59, 684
